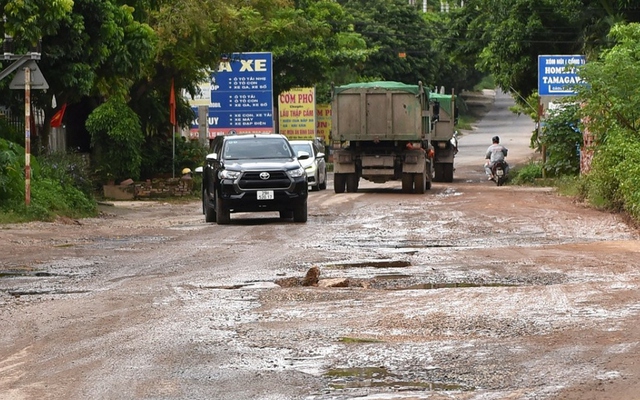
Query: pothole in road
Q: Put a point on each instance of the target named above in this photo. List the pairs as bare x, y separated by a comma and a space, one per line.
15, 293
11, 273
454, 285
371, 264
123, 243
404, 281
352, 378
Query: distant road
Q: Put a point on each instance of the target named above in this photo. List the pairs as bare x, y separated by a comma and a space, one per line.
514, 130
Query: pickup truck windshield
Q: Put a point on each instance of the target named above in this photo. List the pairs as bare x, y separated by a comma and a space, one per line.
256, 149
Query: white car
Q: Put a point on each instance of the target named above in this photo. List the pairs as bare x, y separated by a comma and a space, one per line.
315, 165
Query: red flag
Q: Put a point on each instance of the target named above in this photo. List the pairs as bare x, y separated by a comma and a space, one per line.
56, 120
172, 105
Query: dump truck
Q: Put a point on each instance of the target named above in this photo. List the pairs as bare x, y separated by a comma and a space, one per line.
381, 131
444, 118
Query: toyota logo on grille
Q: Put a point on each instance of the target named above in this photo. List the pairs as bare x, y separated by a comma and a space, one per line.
264, 175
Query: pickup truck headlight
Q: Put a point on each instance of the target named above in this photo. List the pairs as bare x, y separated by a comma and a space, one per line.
226, 174
296, 173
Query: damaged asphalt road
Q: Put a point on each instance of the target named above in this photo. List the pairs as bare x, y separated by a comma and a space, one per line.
470, 291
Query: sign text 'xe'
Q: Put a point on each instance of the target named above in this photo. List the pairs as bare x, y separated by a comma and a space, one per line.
257, 65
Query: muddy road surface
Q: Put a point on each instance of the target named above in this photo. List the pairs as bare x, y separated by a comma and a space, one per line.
471, 291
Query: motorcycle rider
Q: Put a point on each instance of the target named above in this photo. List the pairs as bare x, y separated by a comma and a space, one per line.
496, 152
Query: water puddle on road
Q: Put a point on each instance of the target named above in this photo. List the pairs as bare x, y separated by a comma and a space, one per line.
370, 264
24, 273
18, 293
352, 378
392, 276
453, 285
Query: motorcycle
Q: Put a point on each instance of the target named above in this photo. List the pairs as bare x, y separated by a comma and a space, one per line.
499, 172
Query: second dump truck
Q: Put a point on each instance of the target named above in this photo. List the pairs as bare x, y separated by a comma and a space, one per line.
382, 131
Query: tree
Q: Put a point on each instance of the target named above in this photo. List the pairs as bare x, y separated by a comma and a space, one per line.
117, 139
91, 49
561, 137
611, 112
401, 38
507, 36
313, 45
455, 57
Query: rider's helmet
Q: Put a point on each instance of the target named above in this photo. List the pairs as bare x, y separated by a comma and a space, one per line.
495, 139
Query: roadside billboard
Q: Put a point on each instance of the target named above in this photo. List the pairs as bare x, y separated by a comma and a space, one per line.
240, 94
323, 122
557, 75
297, 113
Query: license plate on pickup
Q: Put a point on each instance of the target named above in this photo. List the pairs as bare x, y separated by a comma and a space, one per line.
265, 194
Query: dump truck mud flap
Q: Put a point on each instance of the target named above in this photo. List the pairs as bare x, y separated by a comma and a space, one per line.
415, 162
343, 162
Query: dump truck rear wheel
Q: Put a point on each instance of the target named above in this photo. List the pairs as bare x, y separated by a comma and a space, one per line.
339, 182
420, 182
352, 183
444, 172
407, 183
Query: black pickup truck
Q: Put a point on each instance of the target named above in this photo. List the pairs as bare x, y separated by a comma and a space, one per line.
253, 173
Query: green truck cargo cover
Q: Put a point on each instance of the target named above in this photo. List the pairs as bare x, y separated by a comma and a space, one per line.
443, 99
388, 85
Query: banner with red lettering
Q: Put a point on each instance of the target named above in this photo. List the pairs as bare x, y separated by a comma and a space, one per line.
297, 113
323, 122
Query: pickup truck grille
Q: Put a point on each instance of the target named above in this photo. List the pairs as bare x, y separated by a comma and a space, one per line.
252, 180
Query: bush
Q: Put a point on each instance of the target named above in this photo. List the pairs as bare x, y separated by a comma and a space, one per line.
562, 139
70, 169
54, 187
10, 133
615, 174
158, 156
117, 138
528, 174
11, 170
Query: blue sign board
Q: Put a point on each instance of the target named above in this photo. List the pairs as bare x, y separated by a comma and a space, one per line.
242, 95
557, 75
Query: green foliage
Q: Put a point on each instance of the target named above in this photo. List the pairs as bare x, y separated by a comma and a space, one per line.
526, 175
10, 133
611, 113
90, 49
313, 44
71, 170
562, 139
50, 199
53, 190
486, 82
457, 57
11, 170
391, 27
117, 140
189, 154
505, 37
157, 159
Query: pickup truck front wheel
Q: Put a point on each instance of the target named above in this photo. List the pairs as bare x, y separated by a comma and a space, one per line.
300, 213
208, 210
222, 213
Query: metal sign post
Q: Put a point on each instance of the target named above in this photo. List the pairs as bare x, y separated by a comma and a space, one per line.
32, 79
27, 135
